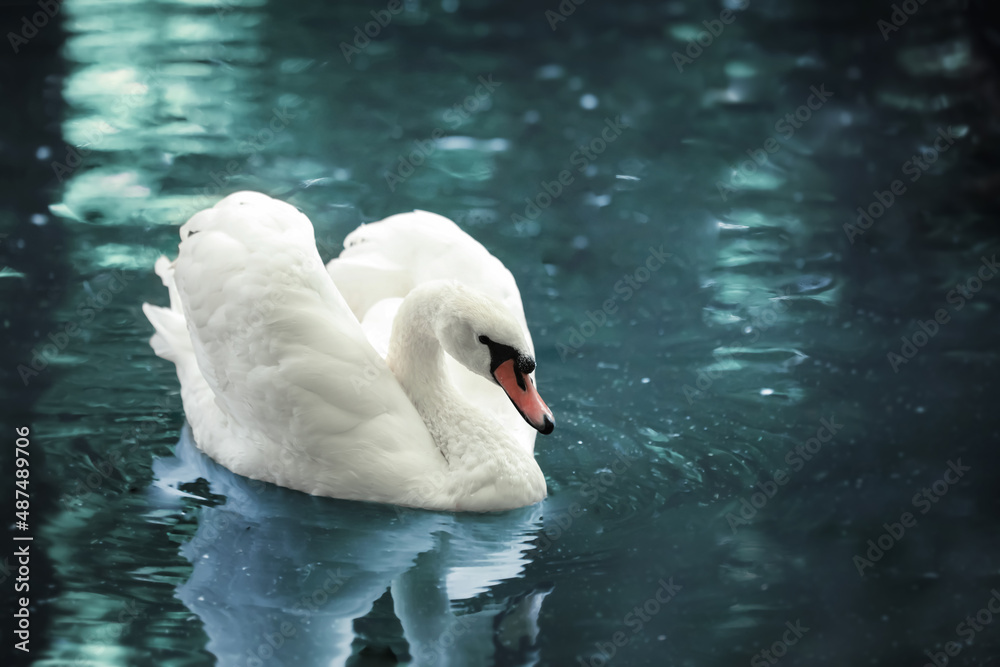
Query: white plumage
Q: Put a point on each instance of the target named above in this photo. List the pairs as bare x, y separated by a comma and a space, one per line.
283, 369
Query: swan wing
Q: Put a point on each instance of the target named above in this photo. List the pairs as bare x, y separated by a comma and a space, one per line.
288, 388
382, 261
396, 254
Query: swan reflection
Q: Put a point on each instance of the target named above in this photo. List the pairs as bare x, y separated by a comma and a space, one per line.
279, 577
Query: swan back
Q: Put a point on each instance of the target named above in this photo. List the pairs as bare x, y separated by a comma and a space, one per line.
389, 258
288, 363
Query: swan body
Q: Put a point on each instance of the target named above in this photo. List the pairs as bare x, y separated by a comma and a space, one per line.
395, 375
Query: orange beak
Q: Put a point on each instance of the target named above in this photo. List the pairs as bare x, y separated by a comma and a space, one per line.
522, 393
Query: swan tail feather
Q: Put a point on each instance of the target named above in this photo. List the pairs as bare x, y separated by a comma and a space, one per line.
171, 340
169, 328
165, 269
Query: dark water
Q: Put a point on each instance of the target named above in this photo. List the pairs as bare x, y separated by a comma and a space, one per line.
739, 413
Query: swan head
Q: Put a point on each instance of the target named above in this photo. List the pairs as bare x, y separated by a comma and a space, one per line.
485, 337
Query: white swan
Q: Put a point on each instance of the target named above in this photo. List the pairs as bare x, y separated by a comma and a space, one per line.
285, 371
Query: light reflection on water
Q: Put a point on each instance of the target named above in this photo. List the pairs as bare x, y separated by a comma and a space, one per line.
764, 321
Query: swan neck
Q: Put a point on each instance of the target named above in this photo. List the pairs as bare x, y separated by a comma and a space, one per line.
417, 358
415, 354
489, 469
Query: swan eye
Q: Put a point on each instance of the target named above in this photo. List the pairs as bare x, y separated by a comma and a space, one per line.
484, 340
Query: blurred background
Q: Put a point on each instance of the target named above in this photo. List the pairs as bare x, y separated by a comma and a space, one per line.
820, 180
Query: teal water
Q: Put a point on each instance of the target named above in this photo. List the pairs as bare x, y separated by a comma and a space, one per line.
738, 414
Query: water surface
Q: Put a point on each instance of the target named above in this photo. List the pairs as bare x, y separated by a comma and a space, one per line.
732, 428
